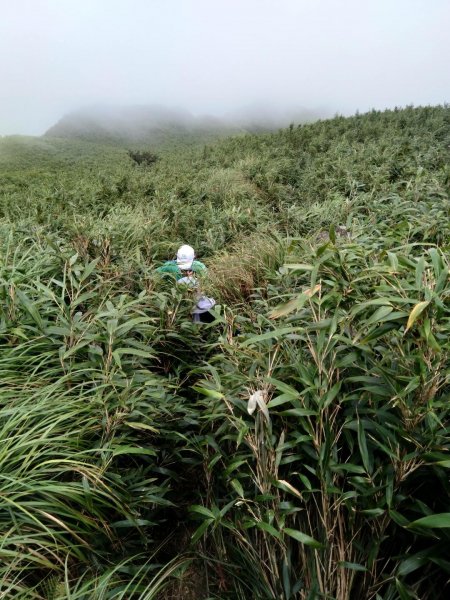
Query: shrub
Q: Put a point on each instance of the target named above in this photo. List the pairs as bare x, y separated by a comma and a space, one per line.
143, 157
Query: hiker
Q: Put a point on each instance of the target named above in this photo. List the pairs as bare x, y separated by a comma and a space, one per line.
185, 268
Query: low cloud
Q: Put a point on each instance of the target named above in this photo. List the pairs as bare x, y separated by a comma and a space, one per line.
223, 58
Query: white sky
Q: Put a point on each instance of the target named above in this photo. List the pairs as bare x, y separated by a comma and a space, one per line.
216, 56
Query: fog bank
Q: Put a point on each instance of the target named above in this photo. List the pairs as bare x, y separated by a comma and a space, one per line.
219, 58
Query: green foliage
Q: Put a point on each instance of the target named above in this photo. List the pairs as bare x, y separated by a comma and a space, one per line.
131, 466
345, 454
141, 157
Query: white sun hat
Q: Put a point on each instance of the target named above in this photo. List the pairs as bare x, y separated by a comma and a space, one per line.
185, 257
204, 304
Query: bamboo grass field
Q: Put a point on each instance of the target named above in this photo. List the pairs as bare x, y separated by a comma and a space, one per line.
295, 448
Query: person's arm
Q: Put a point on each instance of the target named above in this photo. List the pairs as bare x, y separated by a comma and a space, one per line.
199, 268
168, 267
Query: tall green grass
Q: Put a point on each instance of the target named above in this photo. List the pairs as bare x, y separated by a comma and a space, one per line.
337, 486
130, 465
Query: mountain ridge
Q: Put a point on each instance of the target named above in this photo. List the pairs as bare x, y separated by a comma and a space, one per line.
155, 124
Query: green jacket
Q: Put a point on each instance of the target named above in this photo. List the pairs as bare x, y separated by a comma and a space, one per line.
171, 267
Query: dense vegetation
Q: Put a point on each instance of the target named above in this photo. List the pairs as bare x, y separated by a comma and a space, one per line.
298, 447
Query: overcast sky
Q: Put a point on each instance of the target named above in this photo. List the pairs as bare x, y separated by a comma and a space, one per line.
216, 56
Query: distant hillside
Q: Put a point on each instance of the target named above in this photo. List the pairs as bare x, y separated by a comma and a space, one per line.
159, 126
24, 153
259, 118
139, 125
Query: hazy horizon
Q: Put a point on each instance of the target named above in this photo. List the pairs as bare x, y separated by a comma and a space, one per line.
219, 58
